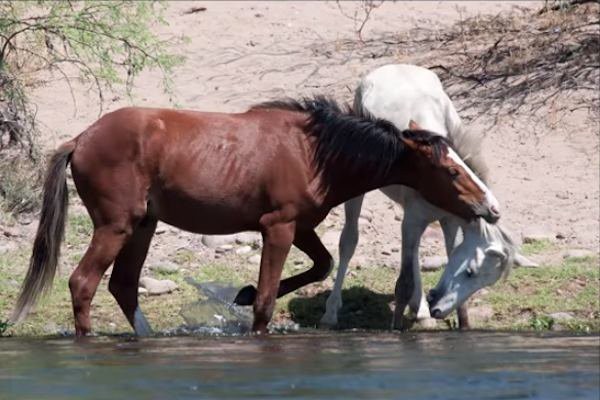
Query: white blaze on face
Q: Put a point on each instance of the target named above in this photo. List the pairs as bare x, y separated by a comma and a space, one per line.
489, 197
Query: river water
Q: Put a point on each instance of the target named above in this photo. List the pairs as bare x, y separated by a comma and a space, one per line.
304, 365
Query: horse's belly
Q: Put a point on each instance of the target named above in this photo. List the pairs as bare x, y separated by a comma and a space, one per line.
206, 215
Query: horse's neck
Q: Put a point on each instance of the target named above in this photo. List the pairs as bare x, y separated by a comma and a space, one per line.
347, 184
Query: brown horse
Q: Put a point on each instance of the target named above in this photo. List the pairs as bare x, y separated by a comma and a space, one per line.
277, 168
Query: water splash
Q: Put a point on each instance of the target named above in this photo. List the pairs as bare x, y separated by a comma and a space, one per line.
214, 313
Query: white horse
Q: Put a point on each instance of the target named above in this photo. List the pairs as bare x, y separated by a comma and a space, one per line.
403, 94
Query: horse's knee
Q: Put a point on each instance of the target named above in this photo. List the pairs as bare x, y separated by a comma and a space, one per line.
321, 271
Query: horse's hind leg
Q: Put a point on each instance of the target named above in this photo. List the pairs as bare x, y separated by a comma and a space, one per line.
106, 243
125, 276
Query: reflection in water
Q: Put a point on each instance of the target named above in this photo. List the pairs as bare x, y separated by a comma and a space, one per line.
444, 365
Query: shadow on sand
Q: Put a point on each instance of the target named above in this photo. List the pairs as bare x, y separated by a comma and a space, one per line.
362, 309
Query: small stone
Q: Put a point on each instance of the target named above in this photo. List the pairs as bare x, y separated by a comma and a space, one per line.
432, 263
248, 238
386, 253
255, 259
481, 313
243, 250
165, 267
395, 249
224, 248
578, 253
561, 316
214, 241
157, 287
537, 237
142, 291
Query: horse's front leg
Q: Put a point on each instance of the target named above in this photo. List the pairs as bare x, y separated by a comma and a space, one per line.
408, 286
450, 228
277, 240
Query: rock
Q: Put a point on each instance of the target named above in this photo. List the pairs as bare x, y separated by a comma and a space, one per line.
386, 253
165, 267
248, 238
533, 237
561, 316
578, 253
395, 249
243, 250
214, 241
142, 291
224, 248
255, 259
157, 287
331, 238
481, 313
432, 263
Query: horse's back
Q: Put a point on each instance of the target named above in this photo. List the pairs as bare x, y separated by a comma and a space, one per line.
219, 169
404, 92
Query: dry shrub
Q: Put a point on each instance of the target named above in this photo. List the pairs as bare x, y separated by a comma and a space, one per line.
525, 58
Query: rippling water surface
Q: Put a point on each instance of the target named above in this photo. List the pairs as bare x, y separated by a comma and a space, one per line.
437, 365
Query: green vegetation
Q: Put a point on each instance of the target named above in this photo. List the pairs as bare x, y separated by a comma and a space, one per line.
524, 301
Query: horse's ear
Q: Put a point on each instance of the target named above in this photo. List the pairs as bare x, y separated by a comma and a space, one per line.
413, 126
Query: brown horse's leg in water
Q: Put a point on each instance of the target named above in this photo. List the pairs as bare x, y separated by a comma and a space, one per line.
125, 275
403, 292
309, 243
463, 317
277, 241
106, 243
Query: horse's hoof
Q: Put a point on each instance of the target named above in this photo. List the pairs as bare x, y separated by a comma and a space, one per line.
245, 296
327, 324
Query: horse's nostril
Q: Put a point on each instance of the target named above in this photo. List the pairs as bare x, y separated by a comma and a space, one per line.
495, 210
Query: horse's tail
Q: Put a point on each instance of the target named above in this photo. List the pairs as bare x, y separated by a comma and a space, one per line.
50, 232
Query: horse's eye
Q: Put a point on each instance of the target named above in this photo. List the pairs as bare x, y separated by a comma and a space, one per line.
453, 172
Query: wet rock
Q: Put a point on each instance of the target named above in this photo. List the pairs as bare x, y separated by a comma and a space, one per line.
165, 267
578, 253
157, 287
481, 313
243, 250
255, 259
432, 263
561, 316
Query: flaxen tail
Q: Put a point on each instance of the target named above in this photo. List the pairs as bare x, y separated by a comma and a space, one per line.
50, 232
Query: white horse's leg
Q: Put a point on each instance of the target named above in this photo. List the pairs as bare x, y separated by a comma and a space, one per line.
450, 227
347, 246
408, 286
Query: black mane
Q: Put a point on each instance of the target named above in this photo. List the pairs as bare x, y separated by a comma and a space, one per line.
354, 141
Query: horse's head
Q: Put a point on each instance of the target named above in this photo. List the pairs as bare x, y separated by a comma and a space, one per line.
485, 255
445, 180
